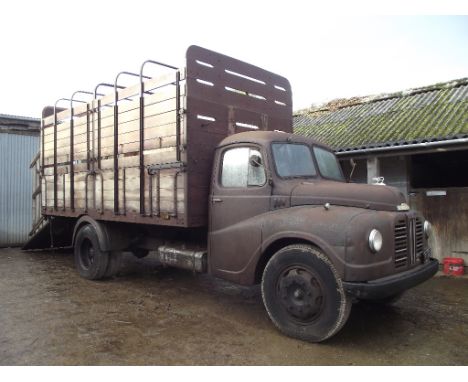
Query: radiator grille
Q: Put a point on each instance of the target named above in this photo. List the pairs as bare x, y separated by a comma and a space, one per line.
409, 241
401, 244
419, 239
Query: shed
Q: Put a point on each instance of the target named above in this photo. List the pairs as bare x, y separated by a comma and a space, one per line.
417, 140
19, 144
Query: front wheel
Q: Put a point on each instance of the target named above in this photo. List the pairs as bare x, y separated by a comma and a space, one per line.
303, 294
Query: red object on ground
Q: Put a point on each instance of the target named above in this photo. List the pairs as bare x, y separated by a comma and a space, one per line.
453, 266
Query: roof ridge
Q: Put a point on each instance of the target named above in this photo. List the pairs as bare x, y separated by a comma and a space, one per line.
342, 103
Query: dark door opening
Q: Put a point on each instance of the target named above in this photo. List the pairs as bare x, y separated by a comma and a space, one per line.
437, 170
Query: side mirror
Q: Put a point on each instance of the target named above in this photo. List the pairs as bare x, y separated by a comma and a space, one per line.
255, 160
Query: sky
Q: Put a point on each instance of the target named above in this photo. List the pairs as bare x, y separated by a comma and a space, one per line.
49, 48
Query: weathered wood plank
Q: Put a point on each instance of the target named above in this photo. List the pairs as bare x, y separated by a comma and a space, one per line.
133, 90
134, 114
129, 133
165, 155
158, 97
150, 121
152, 133
130, 113
132, 193
161, 143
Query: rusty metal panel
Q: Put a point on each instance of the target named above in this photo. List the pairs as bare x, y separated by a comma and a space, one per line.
250, 97
226, 96
16, 153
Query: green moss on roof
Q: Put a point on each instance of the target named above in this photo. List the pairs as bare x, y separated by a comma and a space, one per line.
438, 111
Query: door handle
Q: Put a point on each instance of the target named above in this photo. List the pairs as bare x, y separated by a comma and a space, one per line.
216, 200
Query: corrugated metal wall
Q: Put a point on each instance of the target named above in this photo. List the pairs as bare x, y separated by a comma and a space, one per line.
16, 154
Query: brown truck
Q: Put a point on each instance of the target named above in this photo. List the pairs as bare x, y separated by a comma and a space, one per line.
199, 166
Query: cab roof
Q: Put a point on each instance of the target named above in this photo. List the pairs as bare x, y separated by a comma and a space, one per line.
264, 138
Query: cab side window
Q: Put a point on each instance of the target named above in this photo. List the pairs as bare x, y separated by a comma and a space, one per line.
242, 167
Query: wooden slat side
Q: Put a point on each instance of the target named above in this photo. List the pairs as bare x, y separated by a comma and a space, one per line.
163, 81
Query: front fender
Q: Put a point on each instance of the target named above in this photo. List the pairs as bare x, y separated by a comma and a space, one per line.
364, 265
324, 228
334, 253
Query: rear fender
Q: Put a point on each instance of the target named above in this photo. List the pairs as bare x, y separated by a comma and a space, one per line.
111, 236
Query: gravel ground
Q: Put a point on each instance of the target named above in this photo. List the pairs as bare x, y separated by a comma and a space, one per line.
150, 315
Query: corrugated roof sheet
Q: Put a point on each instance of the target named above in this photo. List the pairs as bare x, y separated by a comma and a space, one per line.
19, 125
432, 113
20, 117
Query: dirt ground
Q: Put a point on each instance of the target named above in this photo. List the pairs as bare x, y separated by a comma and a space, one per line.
149, 315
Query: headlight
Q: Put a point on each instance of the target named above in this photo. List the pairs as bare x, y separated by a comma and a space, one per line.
375, 240
427, 228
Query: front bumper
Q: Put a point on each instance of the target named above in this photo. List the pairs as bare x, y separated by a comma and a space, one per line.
392, 285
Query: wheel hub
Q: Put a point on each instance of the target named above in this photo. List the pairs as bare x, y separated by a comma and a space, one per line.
87, 254
300, 294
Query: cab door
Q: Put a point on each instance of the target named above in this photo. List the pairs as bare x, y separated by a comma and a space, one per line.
240, 193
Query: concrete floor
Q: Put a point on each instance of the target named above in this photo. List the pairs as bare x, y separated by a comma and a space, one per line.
150, 315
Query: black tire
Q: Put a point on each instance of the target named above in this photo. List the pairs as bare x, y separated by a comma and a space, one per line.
384, 301
90, 261
303, 294
115, 263
140, 253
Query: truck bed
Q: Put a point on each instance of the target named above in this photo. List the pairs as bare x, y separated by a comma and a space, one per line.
143, 153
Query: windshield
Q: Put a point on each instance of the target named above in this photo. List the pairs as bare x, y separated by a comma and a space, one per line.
293, 160
328, 164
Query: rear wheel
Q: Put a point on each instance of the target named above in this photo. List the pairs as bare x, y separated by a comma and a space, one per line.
304, 295
90, 261
115, 263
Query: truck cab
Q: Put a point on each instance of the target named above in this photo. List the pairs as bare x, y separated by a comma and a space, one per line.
281, 213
